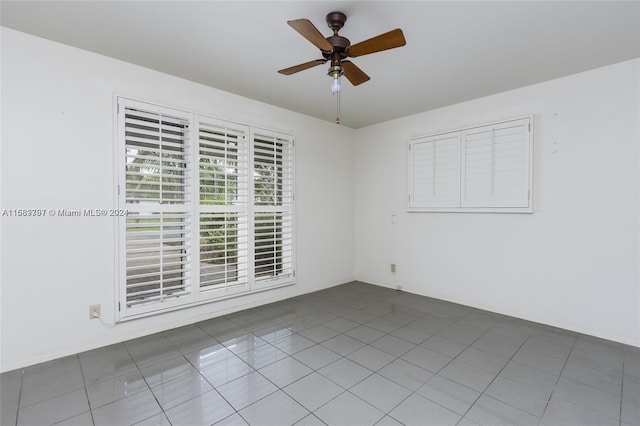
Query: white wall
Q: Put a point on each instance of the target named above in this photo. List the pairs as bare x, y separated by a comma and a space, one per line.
573, 263
57, 152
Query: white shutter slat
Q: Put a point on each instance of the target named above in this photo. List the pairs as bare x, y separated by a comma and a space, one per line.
435, 171
496, 165
273, 245
223, 219
273, 179
223, 250
152, 137
223, 173
273, 217
157, 257
157, 160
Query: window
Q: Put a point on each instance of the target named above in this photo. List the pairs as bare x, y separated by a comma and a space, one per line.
223, 154
486, 168
156, 187
273, 199
210, 208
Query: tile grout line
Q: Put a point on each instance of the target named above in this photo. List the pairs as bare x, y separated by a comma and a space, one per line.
566, 361
460, 353
624, 358
480, 393
199, 372
278, 388
318, 372
413, 392
55, 396
344, 357
19, 396
373, 372
214, 387
443, 367
86, 392
368, 376
145, 380
495, 377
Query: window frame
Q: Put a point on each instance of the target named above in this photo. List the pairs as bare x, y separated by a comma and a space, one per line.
148, 208
283, 206
222, 291
458, 203
198, 292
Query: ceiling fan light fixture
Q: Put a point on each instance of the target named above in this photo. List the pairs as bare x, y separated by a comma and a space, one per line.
335, 85
335, 72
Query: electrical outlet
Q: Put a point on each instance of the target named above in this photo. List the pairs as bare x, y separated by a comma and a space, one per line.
393, 267
94, 311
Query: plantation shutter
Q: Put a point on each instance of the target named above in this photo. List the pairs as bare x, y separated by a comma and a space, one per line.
157, 257
495, 164
434, 170
480, 169
210, 209
273, 207
155, 189
223, 208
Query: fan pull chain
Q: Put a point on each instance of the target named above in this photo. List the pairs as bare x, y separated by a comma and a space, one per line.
338, 107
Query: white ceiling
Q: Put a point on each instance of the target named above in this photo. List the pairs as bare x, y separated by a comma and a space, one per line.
455, 51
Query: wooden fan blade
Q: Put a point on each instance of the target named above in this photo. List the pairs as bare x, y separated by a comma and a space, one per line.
354, 74
302, 67
311, 33
389, 40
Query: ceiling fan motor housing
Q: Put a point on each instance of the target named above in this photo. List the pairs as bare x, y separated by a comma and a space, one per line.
336, 20
339, 52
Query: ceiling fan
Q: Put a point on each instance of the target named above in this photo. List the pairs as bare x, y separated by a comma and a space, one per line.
337, 49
